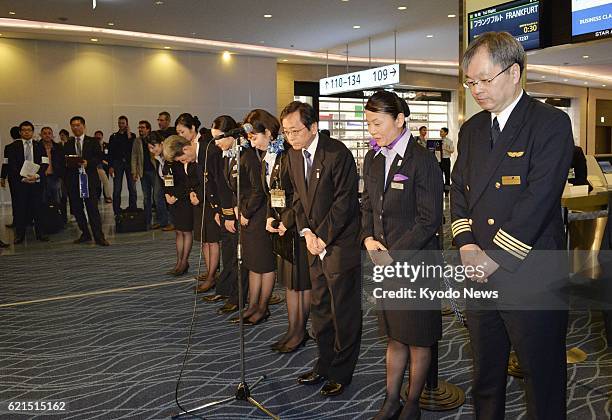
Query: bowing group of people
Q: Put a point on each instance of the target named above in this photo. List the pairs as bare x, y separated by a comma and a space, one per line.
293, 198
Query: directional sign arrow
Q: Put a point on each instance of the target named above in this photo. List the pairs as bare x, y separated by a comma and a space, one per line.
393, 71
326, 83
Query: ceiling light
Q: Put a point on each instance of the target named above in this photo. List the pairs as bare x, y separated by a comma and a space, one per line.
93, 39
429, 36
110, 24
267, 16
12, 13
166, 48
285, 60
401, 7
603, 119
565, 80
543, 77
356, 27
438, 70
344, 1
601, 85
159, 2
226, 56
452, 16
262, 42
193, 33
586, 83
585, 56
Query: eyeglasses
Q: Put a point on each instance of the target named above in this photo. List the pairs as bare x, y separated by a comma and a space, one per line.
470, 84
291, 133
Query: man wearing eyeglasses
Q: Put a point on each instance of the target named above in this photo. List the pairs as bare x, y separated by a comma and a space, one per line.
512, 164
324, 178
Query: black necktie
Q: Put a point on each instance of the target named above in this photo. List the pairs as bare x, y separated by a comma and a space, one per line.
495, 132
308, 165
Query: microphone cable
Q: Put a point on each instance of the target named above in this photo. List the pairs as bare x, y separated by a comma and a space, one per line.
195, 300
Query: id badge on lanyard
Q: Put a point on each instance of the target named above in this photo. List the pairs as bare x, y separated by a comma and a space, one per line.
168, 181
278, 198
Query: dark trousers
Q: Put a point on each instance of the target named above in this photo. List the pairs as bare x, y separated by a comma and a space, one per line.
538, 337
336, 316
64, 202
53, 189
28, 205
11, 184
121, 168
161, 207
147, 182
445, 165
78, 206
228, 279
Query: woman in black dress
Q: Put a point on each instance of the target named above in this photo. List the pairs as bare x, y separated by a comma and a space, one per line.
289, 248
182, 184
257, 255
402, 211
206, 217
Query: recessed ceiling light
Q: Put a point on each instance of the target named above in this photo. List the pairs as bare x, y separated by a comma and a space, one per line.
285, 60
356, 27
267, 16
429, 36
262, 42
585, 56
565, 80
12, 13
344, 1
601, 85
166, 48
438, 70
110, 24
193, 33
452, 16
159, 2
543, 77
401, 7
586, 83
226, 55
93, 39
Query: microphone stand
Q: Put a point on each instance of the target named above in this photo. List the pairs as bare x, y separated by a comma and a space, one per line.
243, 391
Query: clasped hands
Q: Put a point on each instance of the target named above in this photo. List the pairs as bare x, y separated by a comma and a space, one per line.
280, 230
314, 244
484, 266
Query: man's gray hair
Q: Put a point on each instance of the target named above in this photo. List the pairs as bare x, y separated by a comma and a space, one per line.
503, 49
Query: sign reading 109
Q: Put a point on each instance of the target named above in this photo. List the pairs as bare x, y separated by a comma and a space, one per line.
360, 80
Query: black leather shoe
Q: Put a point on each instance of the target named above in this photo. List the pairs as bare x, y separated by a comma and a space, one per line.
332, 388
82, 239
18, 240
212, 298
310, 378
228, 308
102, 242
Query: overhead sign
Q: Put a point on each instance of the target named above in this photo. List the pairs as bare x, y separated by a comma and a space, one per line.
360, 80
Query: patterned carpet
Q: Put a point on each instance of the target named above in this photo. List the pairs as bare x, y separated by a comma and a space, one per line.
117, 355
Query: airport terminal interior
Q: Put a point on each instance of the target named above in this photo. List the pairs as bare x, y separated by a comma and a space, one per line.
110, 328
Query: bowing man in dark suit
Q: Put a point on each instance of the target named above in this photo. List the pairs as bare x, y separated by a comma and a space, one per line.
15, 135
90, 155
402, 211
28, 190
324, 177
512, 166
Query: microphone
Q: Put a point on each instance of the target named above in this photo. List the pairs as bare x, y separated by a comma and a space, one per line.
275, 224
236, 132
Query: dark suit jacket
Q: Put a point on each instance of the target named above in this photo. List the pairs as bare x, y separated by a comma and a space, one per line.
329, 206
280, 179
508, 199
4, 172
58, 161
580, 167
92, 153
210, 159
15, 155
184, 183
412, 215
252, 196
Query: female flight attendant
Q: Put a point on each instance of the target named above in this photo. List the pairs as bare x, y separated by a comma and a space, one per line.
289, 248
402, 211
207, 155
182, 183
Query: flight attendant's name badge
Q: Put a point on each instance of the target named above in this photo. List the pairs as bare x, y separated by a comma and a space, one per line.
168, 181
278, 198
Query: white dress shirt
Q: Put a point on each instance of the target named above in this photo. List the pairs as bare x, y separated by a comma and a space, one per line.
502, 117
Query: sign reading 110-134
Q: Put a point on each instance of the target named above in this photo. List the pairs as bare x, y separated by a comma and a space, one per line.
360, 80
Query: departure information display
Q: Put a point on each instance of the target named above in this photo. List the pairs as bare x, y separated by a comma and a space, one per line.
591, 19
520, 18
